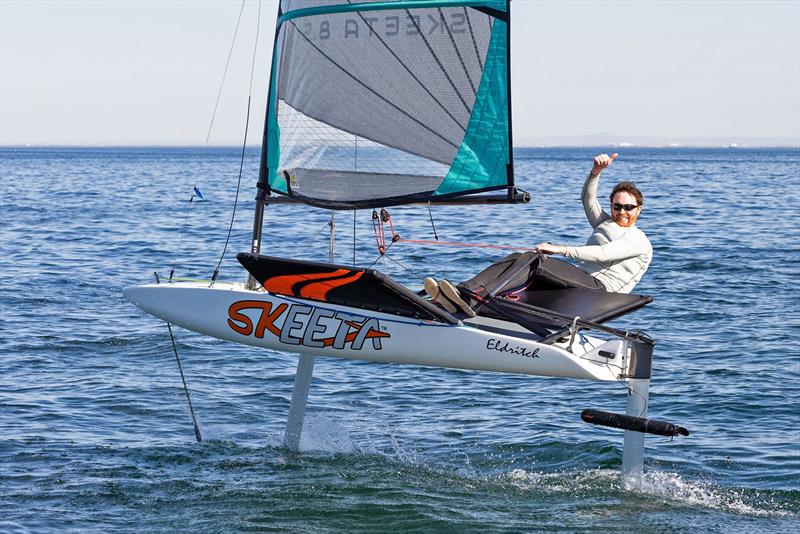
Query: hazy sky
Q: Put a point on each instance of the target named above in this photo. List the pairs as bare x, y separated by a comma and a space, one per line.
147, 72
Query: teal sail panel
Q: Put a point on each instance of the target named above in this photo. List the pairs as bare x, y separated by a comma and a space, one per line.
481, 160
272, 132
380, 103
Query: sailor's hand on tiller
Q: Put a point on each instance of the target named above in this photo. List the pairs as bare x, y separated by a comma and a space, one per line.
603, 161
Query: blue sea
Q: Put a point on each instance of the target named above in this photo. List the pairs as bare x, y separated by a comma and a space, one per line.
95, 433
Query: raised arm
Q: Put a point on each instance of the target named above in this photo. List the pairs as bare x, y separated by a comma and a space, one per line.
594, 212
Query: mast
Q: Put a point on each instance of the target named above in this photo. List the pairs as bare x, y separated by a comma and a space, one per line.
262, 186
510, 166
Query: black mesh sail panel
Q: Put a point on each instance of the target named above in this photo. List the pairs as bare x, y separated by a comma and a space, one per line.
385, 102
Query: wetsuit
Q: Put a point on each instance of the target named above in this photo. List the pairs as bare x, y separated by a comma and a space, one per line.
614, 255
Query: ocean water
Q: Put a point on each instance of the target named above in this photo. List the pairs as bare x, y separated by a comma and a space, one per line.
95, 434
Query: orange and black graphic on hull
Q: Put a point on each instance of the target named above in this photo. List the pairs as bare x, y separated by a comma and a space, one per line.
356, 288
303, 325
313, 286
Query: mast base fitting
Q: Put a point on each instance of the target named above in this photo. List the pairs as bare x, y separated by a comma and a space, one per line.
637, 424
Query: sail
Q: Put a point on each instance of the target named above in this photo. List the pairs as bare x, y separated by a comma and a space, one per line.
375, 103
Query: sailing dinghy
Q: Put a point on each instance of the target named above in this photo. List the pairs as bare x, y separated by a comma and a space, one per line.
382, 103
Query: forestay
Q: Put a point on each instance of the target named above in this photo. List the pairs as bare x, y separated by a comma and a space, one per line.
375, 103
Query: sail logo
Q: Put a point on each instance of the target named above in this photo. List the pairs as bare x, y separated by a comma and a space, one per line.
385, 26
299, 324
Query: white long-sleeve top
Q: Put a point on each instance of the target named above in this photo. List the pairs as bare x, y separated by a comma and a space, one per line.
615, 255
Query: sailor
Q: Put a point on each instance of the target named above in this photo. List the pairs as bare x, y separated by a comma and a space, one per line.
617, 253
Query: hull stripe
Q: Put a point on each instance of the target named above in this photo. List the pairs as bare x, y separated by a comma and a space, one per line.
319, 290
284, 285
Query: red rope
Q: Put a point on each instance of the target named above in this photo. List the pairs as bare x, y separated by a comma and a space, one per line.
453, 244
391, 225
377, 229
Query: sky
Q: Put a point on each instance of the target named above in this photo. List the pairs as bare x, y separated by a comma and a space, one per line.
583, 73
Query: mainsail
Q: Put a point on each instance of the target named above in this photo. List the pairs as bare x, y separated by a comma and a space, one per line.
376, 103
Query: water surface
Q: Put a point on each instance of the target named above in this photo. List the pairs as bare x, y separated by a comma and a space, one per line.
96, 433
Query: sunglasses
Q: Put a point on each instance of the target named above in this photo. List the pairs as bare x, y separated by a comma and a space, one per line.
626, 207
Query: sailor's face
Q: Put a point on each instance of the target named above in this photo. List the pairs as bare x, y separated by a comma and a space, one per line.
625, 209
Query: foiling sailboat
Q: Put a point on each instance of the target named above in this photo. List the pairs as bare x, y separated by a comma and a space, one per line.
382, 103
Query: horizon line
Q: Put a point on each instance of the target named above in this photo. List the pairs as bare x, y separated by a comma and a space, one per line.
536, 145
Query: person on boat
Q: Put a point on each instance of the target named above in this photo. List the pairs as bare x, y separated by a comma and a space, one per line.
615, 256
617, 253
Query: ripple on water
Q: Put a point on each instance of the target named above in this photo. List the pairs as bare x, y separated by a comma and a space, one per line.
96, 434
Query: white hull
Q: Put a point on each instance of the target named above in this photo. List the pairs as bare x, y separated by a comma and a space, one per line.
231, 312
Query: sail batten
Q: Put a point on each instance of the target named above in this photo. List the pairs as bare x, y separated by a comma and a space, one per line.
369, 96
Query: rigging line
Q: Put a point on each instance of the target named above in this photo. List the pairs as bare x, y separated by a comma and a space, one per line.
436, 58
179, 247
631, 391
458, 53
197, 433
235, 203
618, 367
404, 267
324, 226
307, 241
371, 265
472, 35
433, 226
354, 238
378, 232
368, 88
225, 72
455, 244
332, 225
414, 76
244, 147
208, 136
